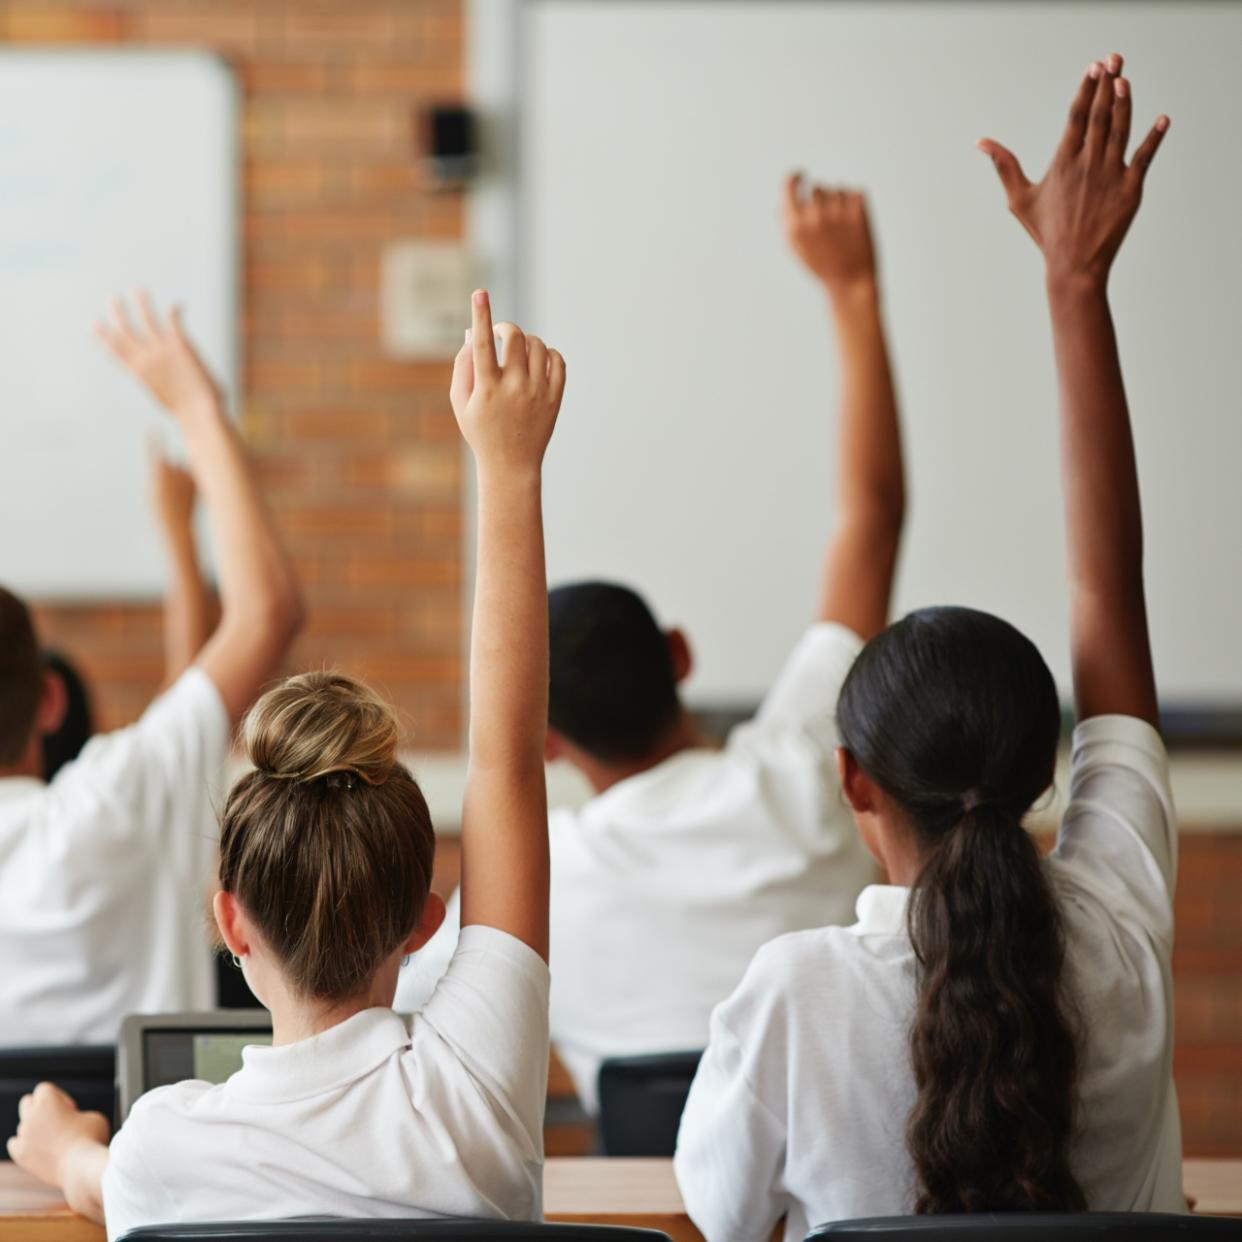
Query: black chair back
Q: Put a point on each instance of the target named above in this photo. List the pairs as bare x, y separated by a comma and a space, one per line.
433, 1230
641, 1100
1034, 1227
86, 1072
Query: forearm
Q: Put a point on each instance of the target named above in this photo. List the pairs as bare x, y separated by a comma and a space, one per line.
862, 553
1108, 618
256, 577
504, 822
82, 1168
187, 609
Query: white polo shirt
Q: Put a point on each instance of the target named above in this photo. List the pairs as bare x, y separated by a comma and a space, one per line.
800, 1104
104, 875
367, 1119
665, 885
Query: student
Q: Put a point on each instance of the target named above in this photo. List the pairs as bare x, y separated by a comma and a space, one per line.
106, 867
994, 1032
689, 858
187, 614
325, 873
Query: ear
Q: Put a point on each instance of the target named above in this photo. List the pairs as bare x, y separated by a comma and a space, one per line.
553, 746
231, 922
428, 923
53, 704
680, 654
859, 790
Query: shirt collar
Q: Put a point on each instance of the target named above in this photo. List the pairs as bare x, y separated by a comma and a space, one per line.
881, 909
331, 1059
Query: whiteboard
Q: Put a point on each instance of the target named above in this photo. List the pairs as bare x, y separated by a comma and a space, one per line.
694, 457
118, 170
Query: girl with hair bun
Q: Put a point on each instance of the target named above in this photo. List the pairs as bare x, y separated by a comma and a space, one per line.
326, 851
994, 1033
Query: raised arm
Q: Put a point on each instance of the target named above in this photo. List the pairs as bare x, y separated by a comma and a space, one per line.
261, 608
506, 414
1079, 215
829, 232
187, 601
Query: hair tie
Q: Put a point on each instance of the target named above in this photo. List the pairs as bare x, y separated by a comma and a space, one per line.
346, 776
975, 799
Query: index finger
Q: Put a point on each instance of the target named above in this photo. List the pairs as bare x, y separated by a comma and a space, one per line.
482, 335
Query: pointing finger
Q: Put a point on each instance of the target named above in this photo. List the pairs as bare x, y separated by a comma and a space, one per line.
482, 339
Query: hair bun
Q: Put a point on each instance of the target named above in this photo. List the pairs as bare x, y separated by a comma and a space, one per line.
316, 724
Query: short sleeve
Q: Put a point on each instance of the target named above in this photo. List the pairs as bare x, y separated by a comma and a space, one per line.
731, 1147
133, 1195
491, 1009
805, 694
157, 775
1119, 834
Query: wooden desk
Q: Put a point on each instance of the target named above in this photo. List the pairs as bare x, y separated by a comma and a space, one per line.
610, 1192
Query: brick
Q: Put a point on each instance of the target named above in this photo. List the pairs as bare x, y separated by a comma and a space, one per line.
43, 23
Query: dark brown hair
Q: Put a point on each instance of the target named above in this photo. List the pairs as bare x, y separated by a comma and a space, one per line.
21, 677
327, 844
954, 714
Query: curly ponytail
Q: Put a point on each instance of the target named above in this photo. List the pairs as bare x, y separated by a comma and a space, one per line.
954, 714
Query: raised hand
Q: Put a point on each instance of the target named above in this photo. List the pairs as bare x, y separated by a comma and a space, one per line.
173, 491
1080, 211
160, 356
506, 412
829, 231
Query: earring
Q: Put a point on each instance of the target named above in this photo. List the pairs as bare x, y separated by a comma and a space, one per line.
237, 961
405, 961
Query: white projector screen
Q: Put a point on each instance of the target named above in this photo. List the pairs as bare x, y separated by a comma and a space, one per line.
695, 452
118, 170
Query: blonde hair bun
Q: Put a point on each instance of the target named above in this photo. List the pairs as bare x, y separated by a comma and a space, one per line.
315, 724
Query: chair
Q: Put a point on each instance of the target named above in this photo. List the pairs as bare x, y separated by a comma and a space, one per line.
1034, 1227
434, 1230
86, 1072
641, 1100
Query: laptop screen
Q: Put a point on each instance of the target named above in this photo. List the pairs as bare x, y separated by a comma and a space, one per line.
173, 1055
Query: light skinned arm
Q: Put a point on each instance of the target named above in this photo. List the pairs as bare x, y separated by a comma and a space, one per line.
1079, 215
506, 414
261, 608
830, 233
187, 601
63, 1147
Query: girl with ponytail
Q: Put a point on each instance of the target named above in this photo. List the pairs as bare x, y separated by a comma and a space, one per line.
994, 1033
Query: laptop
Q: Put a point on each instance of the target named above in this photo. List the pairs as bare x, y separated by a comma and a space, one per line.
157, 1049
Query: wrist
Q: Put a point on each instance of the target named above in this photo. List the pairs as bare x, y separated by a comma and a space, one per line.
1074, 284
859, 292
201, 408
503, 476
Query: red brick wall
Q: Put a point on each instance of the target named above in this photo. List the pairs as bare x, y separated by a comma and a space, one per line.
358, 454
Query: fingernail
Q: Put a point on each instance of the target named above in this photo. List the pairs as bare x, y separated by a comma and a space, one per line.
1114, 63
480, 297
469, 334
1095, 70
1162, 123
1122, 87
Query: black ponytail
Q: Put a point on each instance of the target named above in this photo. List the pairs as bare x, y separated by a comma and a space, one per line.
954, 714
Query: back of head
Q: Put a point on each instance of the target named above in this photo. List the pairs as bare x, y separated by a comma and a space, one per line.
955, 715
327, 845
78, 724
613, 691
21, 677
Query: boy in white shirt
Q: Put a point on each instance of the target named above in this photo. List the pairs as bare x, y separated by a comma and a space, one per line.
689, 858
105, 869
326, 857
994, 1034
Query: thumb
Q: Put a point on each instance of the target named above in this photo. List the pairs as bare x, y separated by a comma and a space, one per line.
1007, 166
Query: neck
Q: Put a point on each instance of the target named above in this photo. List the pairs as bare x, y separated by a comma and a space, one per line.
296, 1017
29, 762
684, 735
